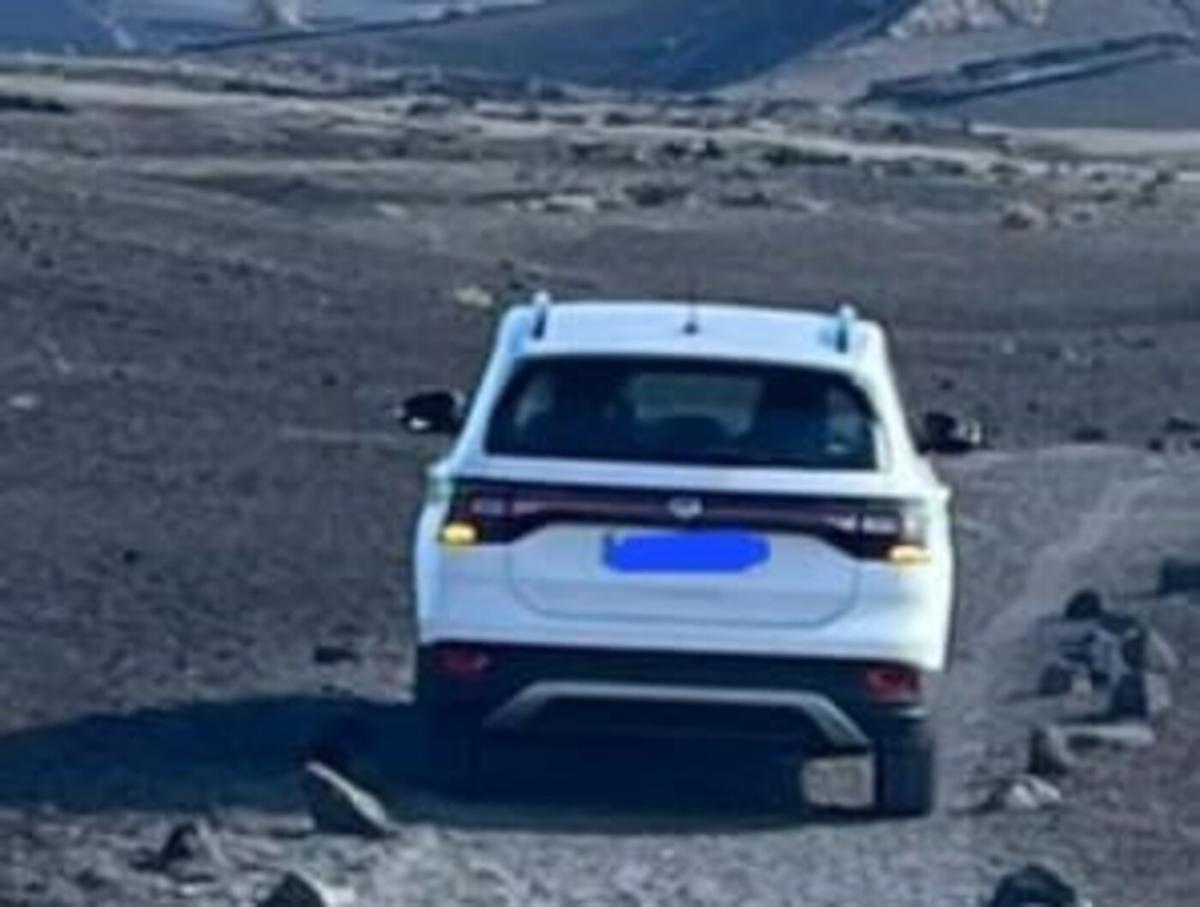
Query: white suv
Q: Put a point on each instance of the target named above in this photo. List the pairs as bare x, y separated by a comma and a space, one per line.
665, 518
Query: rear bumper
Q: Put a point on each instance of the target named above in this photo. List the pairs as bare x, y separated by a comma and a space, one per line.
818, 706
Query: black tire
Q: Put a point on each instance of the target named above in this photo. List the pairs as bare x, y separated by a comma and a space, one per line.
452, 755
906, 776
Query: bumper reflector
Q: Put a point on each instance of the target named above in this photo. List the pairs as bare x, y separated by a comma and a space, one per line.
892, 683
460, 663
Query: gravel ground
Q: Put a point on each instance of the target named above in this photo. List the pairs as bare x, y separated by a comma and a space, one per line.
212, 301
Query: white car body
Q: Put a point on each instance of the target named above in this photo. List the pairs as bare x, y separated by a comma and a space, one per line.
550, 589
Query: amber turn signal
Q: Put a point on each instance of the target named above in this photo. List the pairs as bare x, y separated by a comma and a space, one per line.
459, 535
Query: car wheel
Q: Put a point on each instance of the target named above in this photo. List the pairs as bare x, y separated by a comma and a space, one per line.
452, 755
906, 776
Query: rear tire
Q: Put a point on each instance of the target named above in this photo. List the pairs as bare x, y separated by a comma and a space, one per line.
453, 746
906, 776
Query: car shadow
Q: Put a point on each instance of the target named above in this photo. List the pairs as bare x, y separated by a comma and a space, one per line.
199, 757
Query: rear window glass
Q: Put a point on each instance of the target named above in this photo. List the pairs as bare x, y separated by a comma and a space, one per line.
686, 412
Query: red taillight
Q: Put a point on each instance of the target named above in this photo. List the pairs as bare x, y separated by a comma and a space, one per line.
462, 663
892, 683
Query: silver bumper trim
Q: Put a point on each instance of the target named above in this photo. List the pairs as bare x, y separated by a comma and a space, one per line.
834, 724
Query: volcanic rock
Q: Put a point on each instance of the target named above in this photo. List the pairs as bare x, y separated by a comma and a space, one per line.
1036, 886
338, 806
297, 889
1050, 753
1085, 604
1141, 696
1024, 793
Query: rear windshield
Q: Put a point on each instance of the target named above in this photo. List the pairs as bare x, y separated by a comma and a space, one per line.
685, 412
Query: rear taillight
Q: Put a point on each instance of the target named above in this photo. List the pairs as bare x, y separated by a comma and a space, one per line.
896, 533
479, 515
496, 513
892, 683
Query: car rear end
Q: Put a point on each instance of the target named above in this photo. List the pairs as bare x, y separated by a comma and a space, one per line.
673, 564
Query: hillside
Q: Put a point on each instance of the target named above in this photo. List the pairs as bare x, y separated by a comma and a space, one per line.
53, 25
643, 44
1003, 60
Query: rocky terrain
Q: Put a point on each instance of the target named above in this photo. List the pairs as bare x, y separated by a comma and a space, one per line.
217, 280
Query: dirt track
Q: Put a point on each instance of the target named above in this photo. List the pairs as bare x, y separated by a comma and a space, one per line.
201, 481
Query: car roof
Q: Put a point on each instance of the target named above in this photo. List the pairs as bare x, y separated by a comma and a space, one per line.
702, 330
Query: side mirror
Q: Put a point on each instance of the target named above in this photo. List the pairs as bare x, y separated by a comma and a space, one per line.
436, 412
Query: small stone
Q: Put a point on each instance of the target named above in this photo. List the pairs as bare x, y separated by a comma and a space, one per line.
1050, 753
1121, 626
949, 434
1177, 575
474, 296
328, 654
338, 806
655, 194
749, 197
1024, 216
1178, 424
1140, 696
1025, 793
1084, 605
1101, 655
1058, 679
191, 852
298, 889
1149, 651
1124, 735
24, 403
711, 150
571, 203
1089, 434
1035, 886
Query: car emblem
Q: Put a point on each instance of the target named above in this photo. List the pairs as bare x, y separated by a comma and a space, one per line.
686, 509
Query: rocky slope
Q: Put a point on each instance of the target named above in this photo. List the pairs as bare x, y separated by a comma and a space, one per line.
938, 17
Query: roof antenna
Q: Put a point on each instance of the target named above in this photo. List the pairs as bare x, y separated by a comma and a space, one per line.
847, 315
692, 325
542, 303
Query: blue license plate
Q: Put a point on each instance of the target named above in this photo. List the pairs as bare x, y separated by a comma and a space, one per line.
715, 551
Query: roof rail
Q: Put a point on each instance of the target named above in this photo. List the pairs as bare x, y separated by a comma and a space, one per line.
542, 303
847, 319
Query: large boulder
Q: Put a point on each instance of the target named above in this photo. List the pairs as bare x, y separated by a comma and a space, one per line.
338, 806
